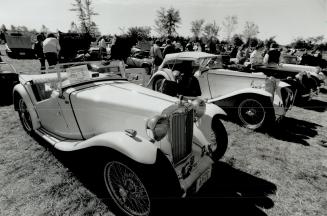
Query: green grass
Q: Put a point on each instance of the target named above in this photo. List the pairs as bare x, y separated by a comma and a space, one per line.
283, 173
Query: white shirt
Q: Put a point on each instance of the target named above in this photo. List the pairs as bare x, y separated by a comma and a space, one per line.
256, 58
51, 45
102, 43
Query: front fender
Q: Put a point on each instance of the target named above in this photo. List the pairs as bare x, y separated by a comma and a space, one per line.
168, 74
257, 91
20, 91
136, 148
203, 127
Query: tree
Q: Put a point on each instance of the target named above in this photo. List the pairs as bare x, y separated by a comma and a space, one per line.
12, 28
85, 12
230, 24
270, 41
197, 27
211, 30
44, 29
250, 30
139, 33
73, 27
3, 28
89, 12
317, 39
167, 21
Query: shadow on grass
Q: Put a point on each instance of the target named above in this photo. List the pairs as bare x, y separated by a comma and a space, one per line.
323, 90
315, 105
295, 130
228, 192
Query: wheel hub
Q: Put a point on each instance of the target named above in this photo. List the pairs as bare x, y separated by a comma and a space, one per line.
250, 112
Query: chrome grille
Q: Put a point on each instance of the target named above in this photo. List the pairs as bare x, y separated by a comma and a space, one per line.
181, 133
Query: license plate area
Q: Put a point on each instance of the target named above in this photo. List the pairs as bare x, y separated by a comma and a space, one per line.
21, 53
205, 176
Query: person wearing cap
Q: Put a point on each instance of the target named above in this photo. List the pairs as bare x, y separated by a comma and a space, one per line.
272, 56
51, 48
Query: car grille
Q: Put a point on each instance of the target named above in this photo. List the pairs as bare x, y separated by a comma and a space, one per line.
181, 133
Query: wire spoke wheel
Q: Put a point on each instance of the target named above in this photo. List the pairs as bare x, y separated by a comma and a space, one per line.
126, 189
25, 116
251, 113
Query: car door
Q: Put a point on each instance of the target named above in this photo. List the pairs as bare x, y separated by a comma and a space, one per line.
50, 111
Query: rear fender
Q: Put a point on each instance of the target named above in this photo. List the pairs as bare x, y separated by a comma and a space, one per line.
20, 91
136, 148
234, 94
167, 74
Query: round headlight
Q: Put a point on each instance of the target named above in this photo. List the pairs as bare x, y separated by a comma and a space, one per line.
159, 126
199, 107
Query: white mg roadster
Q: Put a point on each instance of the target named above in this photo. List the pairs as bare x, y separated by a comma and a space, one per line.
253, 99
153, 145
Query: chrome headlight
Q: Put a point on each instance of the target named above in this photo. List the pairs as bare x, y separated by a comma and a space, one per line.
199, 107
158, 127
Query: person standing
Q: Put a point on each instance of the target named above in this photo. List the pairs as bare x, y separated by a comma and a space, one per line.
51, 49
273, 55
38, 49
156, 56
169, 48
102, 48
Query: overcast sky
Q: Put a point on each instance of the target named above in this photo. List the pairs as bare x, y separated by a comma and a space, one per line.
285, 19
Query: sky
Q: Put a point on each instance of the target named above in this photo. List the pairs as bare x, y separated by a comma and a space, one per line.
285, 19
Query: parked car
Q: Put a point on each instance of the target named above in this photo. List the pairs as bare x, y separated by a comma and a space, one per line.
292, 62
140, 59
152, 144
253, 98
19, 45
8, 79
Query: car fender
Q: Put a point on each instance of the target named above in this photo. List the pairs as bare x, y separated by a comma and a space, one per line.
203, 127
136, 148
256, 91
19, 90
168, 74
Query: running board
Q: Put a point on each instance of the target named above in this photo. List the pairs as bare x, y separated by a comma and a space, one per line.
58, 142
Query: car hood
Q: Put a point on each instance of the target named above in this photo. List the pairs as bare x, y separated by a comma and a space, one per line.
123, 95
116, 106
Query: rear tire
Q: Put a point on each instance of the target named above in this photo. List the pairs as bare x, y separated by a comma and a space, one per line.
24, 115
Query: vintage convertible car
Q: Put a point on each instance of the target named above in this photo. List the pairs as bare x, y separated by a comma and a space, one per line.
253, 98
139, 59
151, 144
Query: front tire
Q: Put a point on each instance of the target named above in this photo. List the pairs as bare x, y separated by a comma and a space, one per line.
220, 137
127, 188
24, 116
254, 113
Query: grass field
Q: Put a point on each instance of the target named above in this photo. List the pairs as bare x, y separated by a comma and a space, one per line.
280, 173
